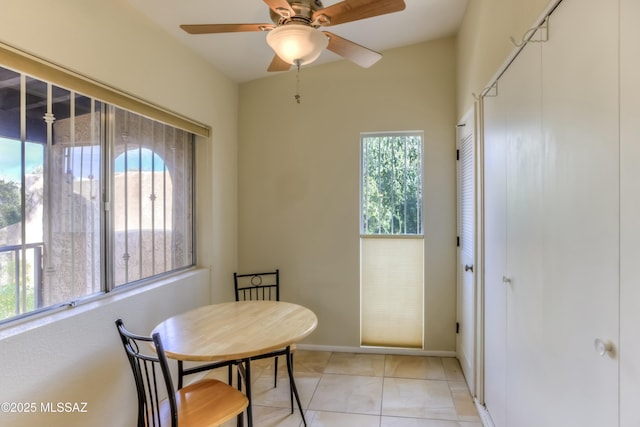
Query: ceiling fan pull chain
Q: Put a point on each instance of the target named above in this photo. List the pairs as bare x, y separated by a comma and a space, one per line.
297, 96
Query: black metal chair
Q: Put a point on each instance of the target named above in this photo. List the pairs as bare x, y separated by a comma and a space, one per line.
203, 403
259, 286
266, 287
254, 287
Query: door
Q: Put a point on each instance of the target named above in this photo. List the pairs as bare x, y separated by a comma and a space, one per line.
580, 270
466, 337
521, 92
495, 259
513, 201
552, 210
630, 212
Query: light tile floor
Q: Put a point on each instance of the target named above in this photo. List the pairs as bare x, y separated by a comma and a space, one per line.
362, 390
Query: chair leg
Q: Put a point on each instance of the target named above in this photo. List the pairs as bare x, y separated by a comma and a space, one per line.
275, 375
290, 362
240, 421
244, 372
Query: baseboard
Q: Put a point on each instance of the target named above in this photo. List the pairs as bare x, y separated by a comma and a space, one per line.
376, 350
485, 418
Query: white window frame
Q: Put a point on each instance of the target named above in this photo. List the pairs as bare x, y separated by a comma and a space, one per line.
392, 273
420, 216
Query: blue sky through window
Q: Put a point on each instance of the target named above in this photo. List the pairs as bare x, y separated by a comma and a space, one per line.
85, 159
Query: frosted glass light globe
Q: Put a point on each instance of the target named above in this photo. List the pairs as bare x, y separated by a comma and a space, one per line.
297, 43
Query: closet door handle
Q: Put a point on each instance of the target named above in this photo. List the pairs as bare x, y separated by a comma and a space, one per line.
603, 347
468, 267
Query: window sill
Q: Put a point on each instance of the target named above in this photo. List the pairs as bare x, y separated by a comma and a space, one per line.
56, 314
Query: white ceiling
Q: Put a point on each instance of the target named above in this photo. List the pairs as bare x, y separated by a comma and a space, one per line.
246, 56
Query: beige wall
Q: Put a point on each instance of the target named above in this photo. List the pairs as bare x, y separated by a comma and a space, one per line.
299, 180
483, 42
76, 355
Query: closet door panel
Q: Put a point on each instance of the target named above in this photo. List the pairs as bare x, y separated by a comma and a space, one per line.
495, 362
580, 283
522, 91
630, 213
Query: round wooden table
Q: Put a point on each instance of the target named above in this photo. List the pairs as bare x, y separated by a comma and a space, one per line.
237, 331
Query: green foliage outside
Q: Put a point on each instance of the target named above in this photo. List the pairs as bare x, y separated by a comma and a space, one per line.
10, 212
8, 301
392, 184
8, 289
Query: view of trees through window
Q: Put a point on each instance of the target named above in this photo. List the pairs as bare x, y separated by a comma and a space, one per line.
10, 211
391, 183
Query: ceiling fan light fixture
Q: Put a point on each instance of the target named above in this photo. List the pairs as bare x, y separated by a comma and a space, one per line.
296, 43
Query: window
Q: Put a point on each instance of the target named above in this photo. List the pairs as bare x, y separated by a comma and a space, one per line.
391, 240
92, 196
391, 184
152, 198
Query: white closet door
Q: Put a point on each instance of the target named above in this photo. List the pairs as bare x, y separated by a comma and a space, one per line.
513, 191
495, 240
580, 282
521, 88
630, 213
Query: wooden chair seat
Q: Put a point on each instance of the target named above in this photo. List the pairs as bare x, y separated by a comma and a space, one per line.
206, 403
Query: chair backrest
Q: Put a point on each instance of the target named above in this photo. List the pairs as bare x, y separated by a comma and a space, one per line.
257, 286
149, 371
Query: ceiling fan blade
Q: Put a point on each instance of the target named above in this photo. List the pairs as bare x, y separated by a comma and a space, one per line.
277, 64
225, 28
280, 5
360, 55
354, 10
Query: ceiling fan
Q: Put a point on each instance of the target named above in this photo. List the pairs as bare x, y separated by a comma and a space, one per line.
295, 36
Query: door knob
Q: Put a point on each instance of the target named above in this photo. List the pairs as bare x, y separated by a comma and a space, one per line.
468, 267
506, 280
603, 347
